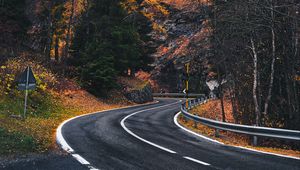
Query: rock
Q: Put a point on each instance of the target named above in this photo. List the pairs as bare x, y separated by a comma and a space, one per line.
143, 95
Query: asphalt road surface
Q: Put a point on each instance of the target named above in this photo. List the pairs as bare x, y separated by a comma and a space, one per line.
145, 137
104, 143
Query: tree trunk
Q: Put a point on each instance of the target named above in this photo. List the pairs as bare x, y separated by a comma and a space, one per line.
87, 6
50, 34
272, 65
233, 105
56, 47
68, 37
296, 64
259, 93
220, 89
255, 79
222, 107
296, 54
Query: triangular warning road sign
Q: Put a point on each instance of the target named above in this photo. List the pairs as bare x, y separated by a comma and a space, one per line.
27, 80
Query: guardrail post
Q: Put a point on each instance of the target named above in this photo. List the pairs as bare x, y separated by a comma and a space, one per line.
183, 117
195, 124
254, 140
217, 133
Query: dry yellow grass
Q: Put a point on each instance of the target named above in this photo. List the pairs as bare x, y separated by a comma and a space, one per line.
76, 102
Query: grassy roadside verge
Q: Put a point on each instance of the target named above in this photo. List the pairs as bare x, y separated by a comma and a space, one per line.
37, 133
231, 138
15, 141
54, 100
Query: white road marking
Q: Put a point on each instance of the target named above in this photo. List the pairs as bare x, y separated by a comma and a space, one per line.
197, 161
192, 132
60, 139
80, 159
65, 146
138, 137
153, 144
92, 168
240, 147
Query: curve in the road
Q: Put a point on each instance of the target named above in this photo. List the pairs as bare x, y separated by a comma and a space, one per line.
153, 144
65, 146
138, 137
104, 143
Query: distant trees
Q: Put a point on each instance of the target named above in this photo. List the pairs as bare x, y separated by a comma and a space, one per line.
96, 39
256, 46
13, 26
106, 44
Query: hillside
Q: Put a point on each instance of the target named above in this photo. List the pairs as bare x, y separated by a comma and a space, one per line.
56, 99
181, 32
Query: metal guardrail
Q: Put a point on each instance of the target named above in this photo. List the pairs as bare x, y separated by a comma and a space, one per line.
245, 129
193, 95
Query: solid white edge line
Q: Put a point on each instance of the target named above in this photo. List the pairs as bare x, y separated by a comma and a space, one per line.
192, 132
240, 147
197, 161
138, 137
65, 146
60, 139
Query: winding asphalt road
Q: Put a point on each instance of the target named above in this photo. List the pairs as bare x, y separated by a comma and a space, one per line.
149, 139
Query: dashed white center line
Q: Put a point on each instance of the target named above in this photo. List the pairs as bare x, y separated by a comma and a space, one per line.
92, 168
197, 161
80, 159
153, 144
144, 140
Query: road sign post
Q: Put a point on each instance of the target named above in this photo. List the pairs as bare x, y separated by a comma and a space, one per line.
187, 65
26, 94
26, 82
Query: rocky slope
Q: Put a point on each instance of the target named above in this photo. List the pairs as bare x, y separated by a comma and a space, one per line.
182, 34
